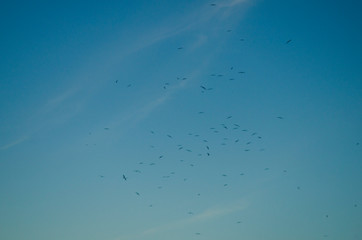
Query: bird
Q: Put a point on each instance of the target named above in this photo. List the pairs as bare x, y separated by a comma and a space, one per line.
179, 48
116, 81
288, 41
138, 193
212, 4
124, 177
280, 117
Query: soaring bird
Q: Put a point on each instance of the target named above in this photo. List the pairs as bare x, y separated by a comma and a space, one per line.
288, 41
124, 177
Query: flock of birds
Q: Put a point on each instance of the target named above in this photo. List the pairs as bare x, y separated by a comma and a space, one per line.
200, 146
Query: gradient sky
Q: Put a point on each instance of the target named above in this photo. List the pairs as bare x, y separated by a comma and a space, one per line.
234, 119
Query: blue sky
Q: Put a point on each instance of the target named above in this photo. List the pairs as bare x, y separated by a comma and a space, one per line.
229, 119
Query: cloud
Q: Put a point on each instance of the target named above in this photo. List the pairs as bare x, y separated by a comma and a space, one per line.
14, 143
233, 3
207, 215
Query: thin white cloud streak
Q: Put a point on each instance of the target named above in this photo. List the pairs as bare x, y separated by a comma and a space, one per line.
233, 3
192, 20
208, 215
14, 143
115, 52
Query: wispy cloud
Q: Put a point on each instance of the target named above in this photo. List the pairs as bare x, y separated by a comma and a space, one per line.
113, 53
233, 3
207, 215
14, 143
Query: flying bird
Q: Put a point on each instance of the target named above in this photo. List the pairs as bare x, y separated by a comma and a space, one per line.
124, 177
288, 41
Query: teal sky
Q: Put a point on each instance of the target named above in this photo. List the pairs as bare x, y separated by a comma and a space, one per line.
229, 119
